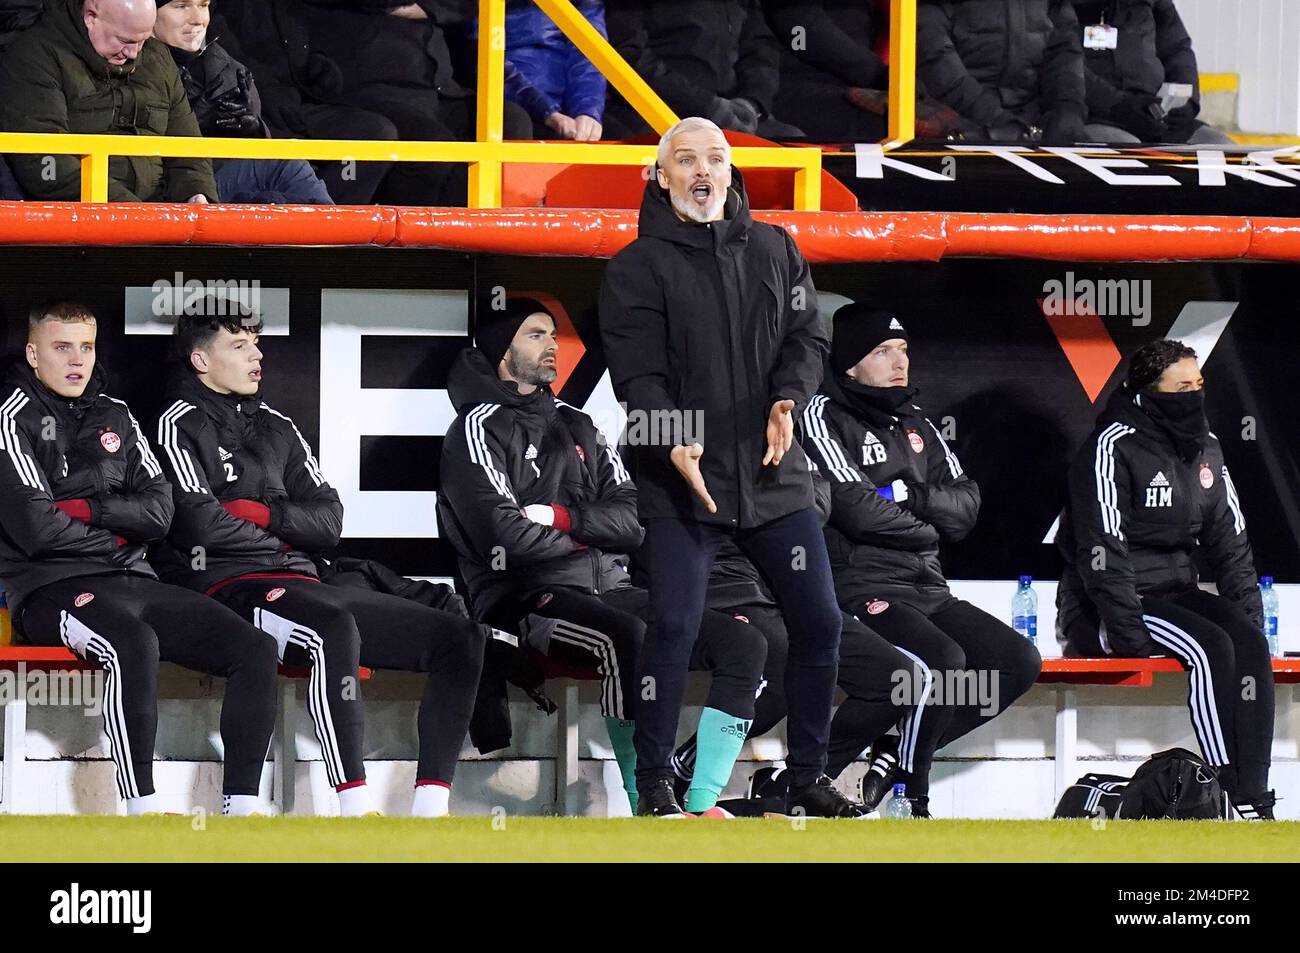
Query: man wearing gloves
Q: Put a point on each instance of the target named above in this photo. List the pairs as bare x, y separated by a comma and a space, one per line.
544, 516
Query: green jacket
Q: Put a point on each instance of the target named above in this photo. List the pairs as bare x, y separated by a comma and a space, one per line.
52, 80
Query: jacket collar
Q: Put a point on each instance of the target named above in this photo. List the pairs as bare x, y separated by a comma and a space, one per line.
659, 220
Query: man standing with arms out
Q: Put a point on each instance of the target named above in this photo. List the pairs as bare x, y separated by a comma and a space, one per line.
709, 322
543, 516
81, 495
1148, 489
252, 508
897, 490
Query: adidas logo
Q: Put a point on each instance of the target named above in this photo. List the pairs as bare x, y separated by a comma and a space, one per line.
530, 453
225, 454
1159, 480
894, 325
739, 729
871, 438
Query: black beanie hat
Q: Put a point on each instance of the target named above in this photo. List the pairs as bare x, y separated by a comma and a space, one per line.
497, 329
857, 329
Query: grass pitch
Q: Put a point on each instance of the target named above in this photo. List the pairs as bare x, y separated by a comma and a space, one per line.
535, 839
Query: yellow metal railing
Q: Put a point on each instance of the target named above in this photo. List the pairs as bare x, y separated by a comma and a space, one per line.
487, 156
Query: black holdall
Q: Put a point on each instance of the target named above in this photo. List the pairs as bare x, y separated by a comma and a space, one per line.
1172, 785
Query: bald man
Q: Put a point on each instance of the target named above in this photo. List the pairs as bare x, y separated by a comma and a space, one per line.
91, 66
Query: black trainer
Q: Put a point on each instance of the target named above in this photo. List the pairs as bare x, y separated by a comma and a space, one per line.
821, 799
879, 779
920, 807
1260, 809
659, 801
769, 782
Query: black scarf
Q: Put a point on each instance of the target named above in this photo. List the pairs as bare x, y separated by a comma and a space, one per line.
1182, 418
877, 404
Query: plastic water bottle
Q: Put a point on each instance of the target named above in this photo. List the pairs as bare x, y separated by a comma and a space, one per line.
899, 806
1024, 610
1269, 595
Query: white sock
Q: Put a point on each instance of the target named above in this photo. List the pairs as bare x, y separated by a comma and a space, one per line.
241, 805
355, 801
149, 804
431, 800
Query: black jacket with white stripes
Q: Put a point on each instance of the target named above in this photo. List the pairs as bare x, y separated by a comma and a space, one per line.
506, 451
218, 448
881, 549
1137, 514
91, 448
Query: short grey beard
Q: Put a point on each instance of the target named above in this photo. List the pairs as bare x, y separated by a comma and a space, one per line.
532, 374
703, 216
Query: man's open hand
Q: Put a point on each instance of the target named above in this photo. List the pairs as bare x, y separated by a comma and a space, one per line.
780, 431
687, 462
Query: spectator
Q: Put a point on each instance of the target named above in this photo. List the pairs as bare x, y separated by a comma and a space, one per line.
1011, 69
551, 78
827, 65
16, 16
92, 66
225, 103
302, 89
1132, 48
718, 60
395, 62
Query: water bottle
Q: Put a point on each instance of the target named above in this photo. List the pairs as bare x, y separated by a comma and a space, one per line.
1024, 610
899, 806
1269, 596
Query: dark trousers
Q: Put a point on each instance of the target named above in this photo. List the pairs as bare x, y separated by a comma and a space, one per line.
270, 181
1229, 680
126, 626
869, 670
336, 629
604, 634
790, 552
981, 665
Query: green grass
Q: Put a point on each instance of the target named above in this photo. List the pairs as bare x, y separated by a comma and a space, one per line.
565, 839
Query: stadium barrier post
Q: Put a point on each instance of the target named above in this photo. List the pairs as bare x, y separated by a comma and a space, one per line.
902, 72
1065, 751
285, 770
15, 756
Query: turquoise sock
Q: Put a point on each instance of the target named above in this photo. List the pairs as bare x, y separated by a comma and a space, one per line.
720, 737
620, 736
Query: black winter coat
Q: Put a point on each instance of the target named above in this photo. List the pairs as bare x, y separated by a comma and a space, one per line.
1154, 48
506, 451
1136, 517
91, 448
991, 59
711, 325
218, 448
691, 52
880, 549
835, 39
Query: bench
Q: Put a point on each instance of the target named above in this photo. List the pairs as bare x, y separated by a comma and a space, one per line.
42, 659
1066, 674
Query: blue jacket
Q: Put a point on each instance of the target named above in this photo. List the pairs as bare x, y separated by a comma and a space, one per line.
545, 72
